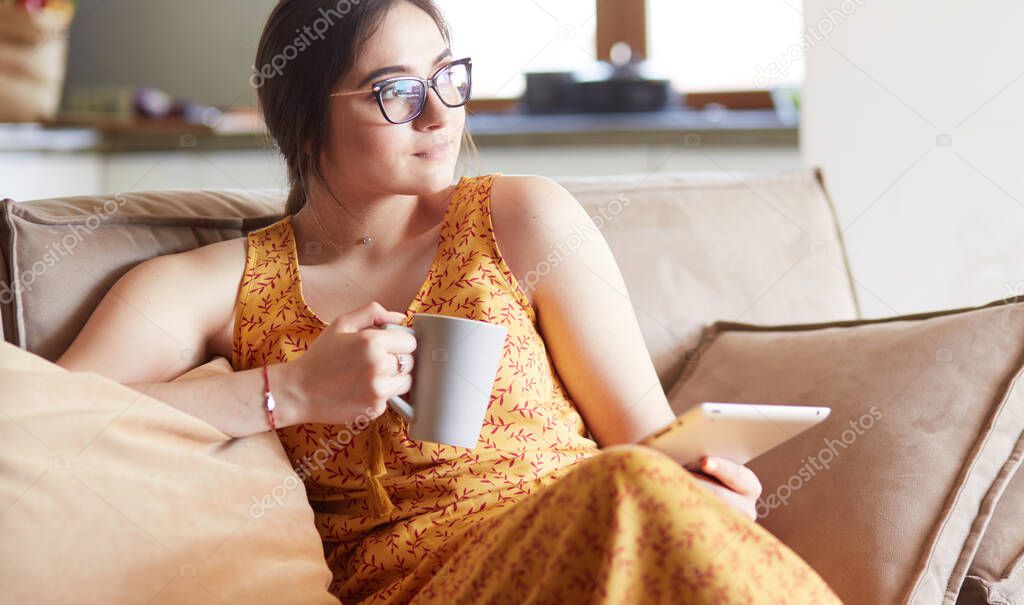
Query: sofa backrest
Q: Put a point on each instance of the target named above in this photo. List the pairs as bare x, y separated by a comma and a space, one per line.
693, 249
62, 255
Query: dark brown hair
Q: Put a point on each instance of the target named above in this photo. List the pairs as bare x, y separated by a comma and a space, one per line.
306, 48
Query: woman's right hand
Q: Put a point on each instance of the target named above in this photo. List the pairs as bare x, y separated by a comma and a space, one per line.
349, 370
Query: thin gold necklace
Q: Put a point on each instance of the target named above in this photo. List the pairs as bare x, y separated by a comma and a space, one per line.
366, 239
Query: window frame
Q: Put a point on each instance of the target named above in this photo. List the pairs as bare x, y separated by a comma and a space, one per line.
621, 21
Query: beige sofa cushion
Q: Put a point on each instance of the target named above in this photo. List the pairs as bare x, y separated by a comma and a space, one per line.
928, 411
698, 248
693, 248
109, 496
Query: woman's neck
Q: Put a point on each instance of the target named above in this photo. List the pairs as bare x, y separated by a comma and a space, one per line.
331, 229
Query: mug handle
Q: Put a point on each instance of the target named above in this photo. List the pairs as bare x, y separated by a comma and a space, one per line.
395, 402
399, 405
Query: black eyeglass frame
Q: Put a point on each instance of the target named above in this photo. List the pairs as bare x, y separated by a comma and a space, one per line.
429, 83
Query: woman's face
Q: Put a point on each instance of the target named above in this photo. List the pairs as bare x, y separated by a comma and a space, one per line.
365, 152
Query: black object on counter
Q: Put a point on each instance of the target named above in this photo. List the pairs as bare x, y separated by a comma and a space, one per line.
622, 95
618, 86
549, 92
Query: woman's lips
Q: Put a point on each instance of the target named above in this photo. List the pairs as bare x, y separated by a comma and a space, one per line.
435, 153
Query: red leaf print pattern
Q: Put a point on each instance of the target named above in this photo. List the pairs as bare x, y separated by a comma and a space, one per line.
536, 508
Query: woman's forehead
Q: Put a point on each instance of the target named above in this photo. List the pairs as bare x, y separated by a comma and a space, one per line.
406, 36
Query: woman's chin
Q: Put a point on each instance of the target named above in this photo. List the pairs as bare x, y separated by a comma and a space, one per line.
433, 175
418, 177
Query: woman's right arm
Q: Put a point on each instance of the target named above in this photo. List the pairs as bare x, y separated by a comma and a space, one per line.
157, 321
347, 372
232, 402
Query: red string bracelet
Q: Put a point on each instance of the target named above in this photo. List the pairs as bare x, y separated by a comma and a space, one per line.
268, 399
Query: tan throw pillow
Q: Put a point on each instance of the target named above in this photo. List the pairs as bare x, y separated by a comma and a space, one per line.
889, 497
109, 496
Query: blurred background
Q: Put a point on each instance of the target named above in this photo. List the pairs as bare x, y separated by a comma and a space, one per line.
910, 108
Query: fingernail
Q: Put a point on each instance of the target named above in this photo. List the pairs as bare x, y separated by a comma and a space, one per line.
709, 464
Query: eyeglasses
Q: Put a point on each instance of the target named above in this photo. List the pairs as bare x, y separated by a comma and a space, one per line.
402, 99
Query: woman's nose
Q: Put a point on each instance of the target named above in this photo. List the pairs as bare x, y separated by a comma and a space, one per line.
435, 113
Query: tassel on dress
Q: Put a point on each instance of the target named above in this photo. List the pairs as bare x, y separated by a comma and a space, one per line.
377, 498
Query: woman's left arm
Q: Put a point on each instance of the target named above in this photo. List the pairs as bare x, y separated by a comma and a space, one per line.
583, 309
588, 323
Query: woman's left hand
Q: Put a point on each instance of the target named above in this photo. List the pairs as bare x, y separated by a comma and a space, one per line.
739, 487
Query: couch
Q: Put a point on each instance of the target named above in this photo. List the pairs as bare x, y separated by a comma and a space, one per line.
743, 292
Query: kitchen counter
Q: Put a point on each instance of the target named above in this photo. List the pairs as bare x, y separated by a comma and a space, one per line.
718, 127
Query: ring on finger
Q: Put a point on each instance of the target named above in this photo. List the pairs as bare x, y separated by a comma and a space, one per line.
403, 363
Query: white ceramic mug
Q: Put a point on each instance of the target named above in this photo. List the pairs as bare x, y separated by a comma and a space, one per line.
455, 364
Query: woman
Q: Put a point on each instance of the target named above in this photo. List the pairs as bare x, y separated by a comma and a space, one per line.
554, 504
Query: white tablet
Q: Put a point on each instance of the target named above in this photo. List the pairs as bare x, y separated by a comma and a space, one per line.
737, 431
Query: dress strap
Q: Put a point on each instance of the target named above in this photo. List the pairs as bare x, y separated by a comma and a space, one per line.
480, 233
262, 280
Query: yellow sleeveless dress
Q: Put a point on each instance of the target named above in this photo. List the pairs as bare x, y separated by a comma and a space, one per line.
536, 512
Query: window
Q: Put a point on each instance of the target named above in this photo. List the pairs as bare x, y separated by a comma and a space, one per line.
699, 46
508, 39
727, 45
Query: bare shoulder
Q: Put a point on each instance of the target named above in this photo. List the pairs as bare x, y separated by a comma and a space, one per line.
225, 255
163, 316
200, 272
216, 271
531, 215
533, 197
